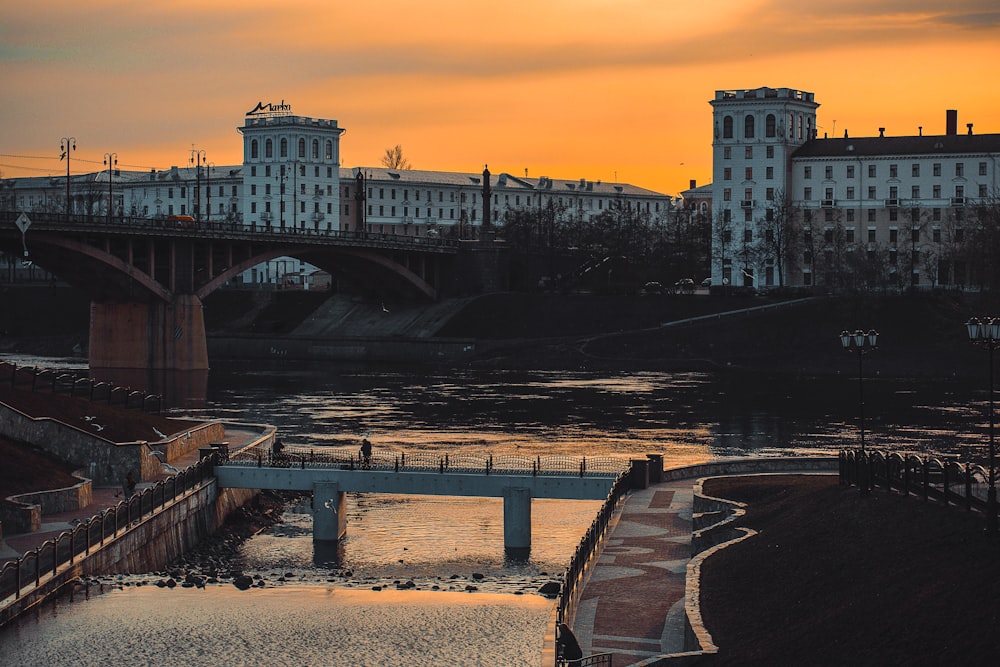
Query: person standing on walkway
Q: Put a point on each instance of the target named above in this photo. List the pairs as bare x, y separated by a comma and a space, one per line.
366, 452
129, 484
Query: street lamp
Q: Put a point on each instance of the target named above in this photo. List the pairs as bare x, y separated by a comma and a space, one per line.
862, 343
986, 332
110, 159
197, 158
67, 145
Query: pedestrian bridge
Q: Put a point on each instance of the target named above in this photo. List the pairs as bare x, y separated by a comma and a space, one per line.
332, 474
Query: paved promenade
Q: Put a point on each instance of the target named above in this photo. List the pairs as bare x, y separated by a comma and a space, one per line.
633, 603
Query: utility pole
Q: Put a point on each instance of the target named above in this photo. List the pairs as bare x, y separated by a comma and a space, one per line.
67, 145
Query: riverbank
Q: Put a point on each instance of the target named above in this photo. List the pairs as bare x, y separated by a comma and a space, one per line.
922, 335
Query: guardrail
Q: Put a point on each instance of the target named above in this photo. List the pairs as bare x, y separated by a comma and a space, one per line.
387, 460
23, 575
946, 480
573, 577
78, 383
224, 229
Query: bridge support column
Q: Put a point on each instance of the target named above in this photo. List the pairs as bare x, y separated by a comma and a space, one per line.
156, 336
517, 518
329, 510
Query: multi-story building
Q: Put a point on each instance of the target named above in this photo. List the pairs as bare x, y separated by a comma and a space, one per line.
791, 208
291, 182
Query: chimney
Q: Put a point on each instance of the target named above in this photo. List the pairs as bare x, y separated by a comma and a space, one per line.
487, 222
969, 125
920, 129
881, 132
951, 121
694, 184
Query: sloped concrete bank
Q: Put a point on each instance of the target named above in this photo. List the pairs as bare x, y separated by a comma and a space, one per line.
368, 349
148, 545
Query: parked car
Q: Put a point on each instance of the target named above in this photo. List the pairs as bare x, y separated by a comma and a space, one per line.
652, 287
707, 282
684, 286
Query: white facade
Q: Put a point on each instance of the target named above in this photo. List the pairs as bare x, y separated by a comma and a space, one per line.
851, 203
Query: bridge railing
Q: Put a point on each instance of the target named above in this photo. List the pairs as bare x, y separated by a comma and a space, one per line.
21, 576
388, 460
229, 229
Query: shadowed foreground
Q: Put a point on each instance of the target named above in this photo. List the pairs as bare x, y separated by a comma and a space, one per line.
835, 577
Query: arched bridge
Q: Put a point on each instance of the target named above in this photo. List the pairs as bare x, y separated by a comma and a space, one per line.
516, 479
147, 277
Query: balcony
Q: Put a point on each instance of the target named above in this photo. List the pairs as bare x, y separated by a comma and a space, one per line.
892, 203
829, 203
958, 201
746, 203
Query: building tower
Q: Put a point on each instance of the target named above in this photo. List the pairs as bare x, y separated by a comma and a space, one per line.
755, 133
291, 171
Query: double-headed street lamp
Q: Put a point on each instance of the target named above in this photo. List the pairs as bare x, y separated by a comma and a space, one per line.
110, 159
986, 332
197, 159
67, 145
862, 343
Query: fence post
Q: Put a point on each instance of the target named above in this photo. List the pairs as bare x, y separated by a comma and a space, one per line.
968, 486
926, 474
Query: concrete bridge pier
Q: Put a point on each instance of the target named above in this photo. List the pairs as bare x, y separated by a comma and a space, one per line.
156, 336
329, 509
516, 518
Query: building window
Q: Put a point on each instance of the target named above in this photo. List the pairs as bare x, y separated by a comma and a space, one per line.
769, 151
871, 215
828, 234
748, 152
893, 214
828, 214
871, 192
748, 215
315, 147
748, 236
807, 193
850, 234
959, 169
727, 152
959, 191
982, 190
915, 192
893, 171
871, 235
936, 234
893, 235
329, 150
872, 171
850, 215
936, 215
268, 149
727, 174
937, 192
748, 127
727, 194
829, 194
749, 173
254, 149
982, 168
769, 195
936, 168
850, 192
770, 125
915, 215
828, 171
916, 170
727, 127
807, 172
769, 173
283, 147
302, 147
850, 171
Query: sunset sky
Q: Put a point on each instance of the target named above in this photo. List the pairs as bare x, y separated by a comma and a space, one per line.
597, 89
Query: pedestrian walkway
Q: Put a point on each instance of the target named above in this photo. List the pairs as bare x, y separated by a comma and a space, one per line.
13, 546
633, 603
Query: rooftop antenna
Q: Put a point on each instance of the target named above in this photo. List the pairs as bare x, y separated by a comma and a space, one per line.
834, 133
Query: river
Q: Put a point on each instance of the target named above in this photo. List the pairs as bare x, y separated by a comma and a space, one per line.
439, 543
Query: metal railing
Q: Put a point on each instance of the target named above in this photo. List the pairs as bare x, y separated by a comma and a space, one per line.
947, 480
78, 383
28, 572
387, 460
573, 577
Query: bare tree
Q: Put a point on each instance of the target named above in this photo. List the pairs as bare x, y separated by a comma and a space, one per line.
779, 238
394, 159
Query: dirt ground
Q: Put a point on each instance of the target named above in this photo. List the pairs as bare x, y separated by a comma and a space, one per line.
840, 578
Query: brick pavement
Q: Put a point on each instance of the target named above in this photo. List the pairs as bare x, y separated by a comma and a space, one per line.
633, 603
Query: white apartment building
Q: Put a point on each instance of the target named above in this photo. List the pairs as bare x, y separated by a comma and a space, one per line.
895, 207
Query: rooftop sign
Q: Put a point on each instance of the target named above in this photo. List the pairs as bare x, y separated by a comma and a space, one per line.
270, 110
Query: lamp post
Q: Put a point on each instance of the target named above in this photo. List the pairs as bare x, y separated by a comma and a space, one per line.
862, 343
208, 192
67, 145
110, 159
986, 332
197, 158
